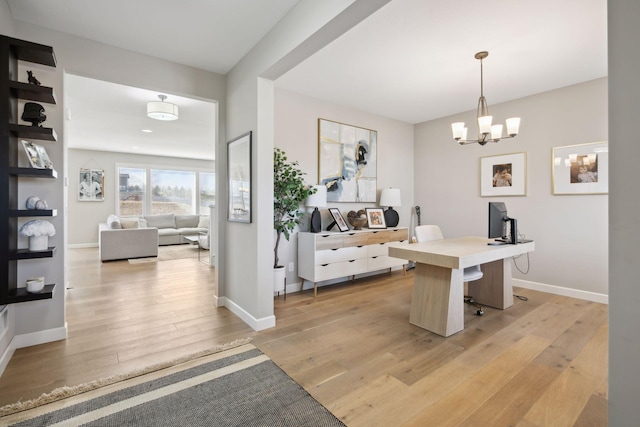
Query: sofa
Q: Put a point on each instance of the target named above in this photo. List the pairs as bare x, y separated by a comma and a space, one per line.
172, 228
125, 243
123, 238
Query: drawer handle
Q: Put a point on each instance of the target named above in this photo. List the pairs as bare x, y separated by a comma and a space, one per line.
352, 234
323, 265
325, 235
335, 249
374, 232
381, 243
374, 257
360, 246
352, 260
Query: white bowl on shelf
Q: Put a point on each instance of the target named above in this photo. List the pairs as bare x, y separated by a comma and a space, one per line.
35, 285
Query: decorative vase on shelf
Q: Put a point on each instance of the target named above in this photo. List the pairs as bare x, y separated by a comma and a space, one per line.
38, 243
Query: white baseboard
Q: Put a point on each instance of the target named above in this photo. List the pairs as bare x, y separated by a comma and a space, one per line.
40, 337
565, 292
256, 324
82, 245
27, 340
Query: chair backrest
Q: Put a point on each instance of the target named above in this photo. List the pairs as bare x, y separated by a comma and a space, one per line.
425, 233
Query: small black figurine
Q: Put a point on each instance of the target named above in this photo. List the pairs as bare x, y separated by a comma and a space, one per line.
34, 113
32, 79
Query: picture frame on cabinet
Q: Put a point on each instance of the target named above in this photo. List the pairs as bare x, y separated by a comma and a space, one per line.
91, 185
338, 220
375, 217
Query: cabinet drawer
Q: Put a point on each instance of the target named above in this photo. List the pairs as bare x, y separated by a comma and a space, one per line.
329, 241
340, 269
376, 237
340, 254
384, 261
398, 235
356, 239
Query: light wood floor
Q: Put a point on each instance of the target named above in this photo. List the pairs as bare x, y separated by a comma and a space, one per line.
542, 362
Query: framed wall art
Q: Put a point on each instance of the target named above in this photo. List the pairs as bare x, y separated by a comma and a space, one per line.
347, 162
504, 175
338, 220
91, 185
581, 169
375, 217
239, 178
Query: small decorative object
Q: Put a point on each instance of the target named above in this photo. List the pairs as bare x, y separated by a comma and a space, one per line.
35, 285
317, 200
390, 197
38, 232
42, 204
32, 79
31, 202
357, 219
33, 113
37, 155
337, 220
375, 216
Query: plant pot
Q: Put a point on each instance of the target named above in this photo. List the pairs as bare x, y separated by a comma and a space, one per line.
279, 276
38, 243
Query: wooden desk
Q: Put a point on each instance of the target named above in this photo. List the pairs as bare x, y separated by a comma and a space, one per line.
437, 303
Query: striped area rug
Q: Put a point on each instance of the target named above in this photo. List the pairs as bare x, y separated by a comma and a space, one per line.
236, 387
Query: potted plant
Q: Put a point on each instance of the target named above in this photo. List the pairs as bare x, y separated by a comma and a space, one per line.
289, 190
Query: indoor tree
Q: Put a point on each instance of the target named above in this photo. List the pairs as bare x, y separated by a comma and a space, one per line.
289, 190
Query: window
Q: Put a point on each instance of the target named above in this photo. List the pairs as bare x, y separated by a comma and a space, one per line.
173, 191
169, 191
131, 189
207, 191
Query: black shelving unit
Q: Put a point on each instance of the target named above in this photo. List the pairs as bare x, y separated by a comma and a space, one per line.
11, 51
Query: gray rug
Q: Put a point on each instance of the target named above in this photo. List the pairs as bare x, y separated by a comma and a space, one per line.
238, 387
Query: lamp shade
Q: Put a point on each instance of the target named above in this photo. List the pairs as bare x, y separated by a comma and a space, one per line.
319, 198
390, 197
161, 110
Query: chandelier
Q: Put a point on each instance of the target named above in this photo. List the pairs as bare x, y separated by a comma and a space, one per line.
486, 131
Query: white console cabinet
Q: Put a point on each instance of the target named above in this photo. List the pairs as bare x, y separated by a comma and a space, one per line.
331, 255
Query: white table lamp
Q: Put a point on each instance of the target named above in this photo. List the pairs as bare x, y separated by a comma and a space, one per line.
317, 200
390, 197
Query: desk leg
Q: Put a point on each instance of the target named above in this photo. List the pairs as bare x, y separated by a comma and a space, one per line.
495, 288
437, 303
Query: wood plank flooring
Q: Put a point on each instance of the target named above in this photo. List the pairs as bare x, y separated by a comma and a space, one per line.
543, 362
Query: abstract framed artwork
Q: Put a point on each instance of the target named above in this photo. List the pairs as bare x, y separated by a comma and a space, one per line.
338, 220
504, 175
239, 178
375, 217
581, 168
37, 155
347, 162
91, 185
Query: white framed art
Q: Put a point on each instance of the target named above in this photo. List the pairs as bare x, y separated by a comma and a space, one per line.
503, 175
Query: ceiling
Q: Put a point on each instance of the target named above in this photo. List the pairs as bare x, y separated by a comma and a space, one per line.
412, 60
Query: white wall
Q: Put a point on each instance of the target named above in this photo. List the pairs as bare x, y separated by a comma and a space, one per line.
85, 216
624, 204
296, 132
570, 232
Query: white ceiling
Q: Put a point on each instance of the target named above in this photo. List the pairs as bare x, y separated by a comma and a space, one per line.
412, 60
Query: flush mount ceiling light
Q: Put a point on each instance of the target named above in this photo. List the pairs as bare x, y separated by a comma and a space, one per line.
486, 132
161, 110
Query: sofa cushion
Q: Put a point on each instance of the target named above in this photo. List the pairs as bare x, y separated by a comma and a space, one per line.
187, 221
114, 222
129, 222
161, 221
168, 232
204, 222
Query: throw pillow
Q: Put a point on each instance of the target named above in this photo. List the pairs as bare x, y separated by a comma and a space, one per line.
114, 222
204, 222
129, 222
